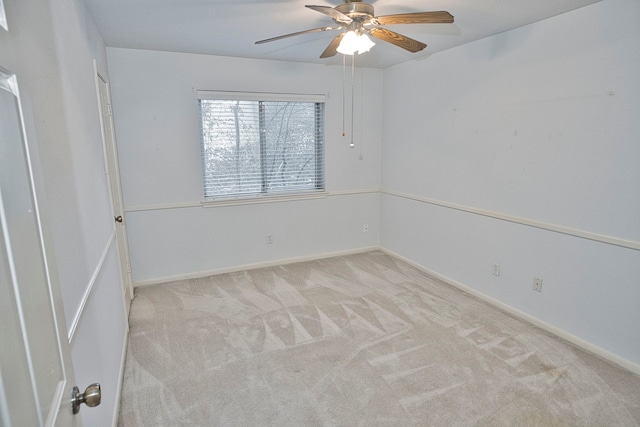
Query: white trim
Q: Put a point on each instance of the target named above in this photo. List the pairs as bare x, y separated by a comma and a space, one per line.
8, 82
354, 192
163, 206
629, 244
3, 17
265, 199
579, 342
112, 172
244, 267
610, 240
88, 293
57, 401
259, 96
123, 359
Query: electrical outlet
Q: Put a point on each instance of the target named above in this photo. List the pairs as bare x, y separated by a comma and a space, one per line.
496, 269
269, 239
537, 284
365, 228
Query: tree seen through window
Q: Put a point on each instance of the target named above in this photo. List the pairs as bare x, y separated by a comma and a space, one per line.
261, 147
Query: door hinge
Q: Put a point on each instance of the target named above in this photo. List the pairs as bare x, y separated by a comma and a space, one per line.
109, 110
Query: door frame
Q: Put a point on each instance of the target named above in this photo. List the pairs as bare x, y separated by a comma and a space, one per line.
112, 171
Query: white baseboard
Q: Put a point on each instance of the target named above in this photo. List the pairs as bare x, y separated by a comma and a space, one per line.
243, 267
579, 342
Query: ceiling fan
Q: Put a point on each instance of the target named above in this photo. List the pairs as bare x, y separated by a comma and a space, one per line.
357, 19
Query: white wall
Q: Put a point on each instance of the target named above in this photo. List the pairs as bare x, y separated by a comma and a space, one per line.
58, 43
522, 149
82, 215
156, 116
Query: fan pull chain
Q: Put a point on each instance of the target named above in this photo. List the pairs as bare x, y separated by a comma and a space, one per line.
353, 68
360, 157
344, 91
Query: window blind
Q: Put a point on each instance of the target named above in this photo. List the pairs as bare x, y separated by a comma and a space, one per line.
261, 144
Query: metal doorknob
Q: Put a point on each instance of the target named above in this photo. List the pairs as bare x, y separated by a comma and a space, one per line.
91, 397
118, 218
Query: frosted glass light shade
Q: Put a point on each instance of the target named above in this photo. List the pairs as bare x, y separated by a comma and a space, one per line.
364, 44
352, 43
349, 43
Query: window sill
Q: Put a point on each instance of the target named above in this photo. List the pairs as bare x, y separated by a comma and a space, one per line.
264, 199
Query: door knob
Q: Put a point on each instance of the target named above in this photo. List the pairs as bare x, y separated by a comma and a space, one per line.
118, 218
91, 397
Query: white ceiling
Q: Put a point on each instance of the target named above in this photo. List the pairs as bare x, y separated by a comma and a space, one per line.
230, 27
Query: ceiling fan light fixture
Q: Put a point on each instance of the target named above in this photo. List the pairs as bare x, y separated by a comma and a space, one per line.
349, 43
364, 44
353, 42
356, 19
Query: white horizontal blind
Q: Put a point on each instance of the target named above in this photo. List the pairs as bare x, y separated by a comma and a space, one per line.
253, 147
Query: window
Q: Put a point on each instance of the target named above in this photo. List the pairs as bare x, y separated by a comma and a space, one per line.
261, 144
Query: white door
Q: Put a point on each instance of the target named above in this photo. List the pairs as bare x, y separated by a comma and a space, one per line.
115, 188
35, 370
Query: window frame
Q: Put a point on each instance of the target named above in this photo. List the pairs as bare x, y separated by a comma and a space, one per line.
268, 196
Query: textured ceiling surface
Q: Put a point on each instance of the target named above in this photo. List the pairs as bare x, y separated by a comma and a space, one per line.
230, 27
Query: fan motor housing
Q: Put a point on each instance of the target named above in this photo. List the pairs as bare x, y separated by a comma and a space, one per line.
356, 11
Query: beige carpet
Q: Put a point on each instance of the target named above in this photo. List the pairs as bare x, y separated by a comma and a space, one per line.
360, 340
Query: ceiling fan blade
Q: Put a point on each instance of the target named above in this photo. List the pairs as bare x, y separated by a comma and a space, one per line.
397, 39
416, 18
338, 16
314, 30
332, 49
